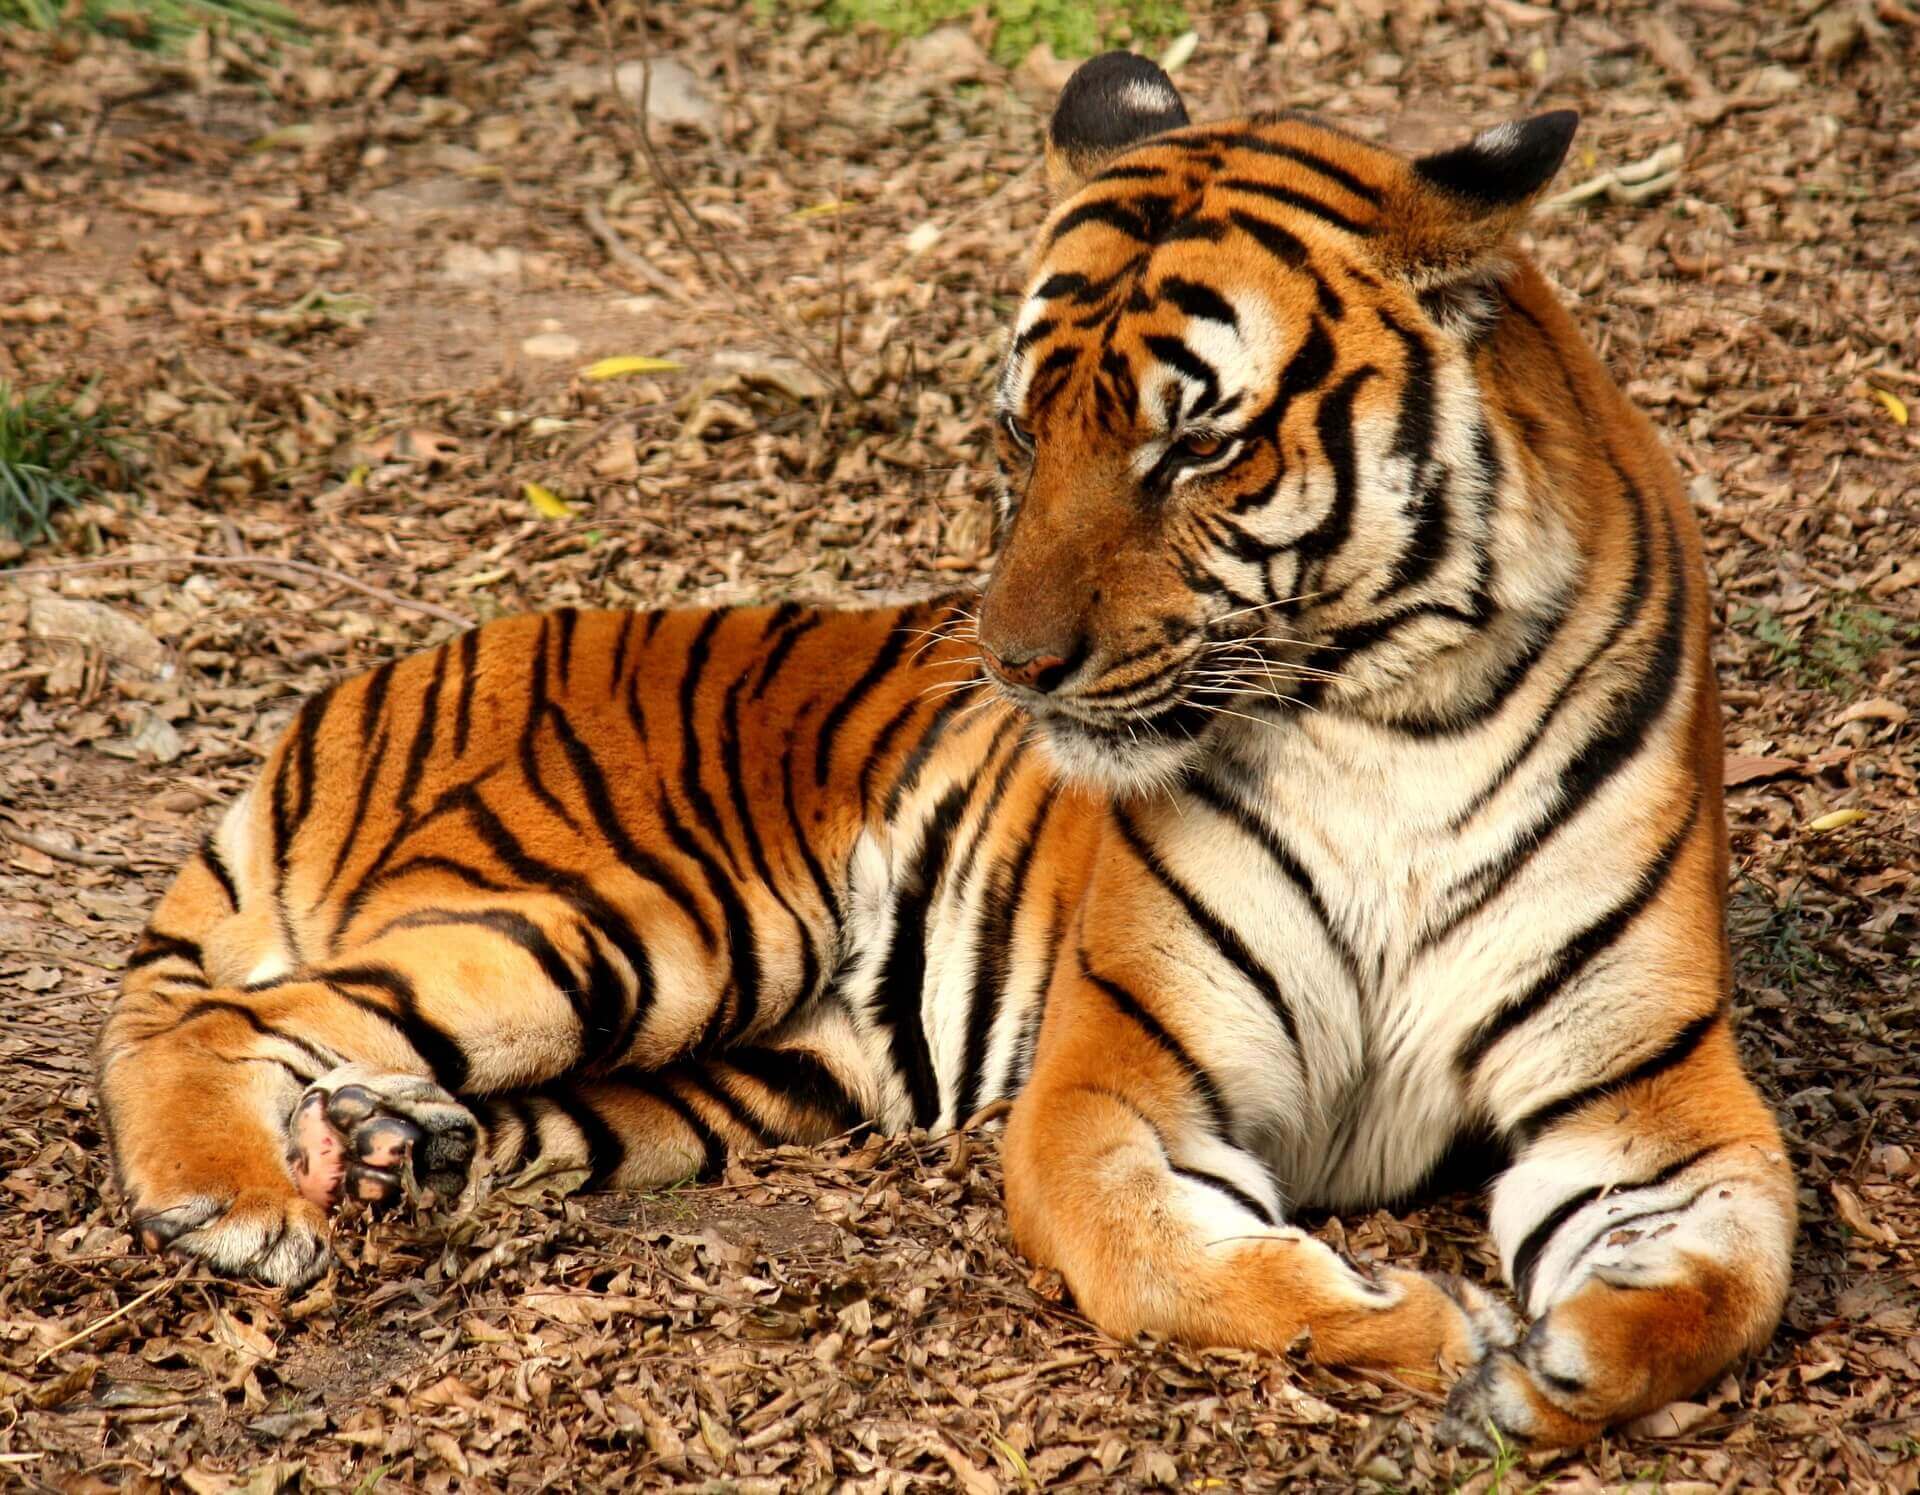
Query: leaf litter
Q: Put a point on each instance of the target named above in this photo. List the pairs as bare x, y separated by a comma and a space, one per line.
312, 273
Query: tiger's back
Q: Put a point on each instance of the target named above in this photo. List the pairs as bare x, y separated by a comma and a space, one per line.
1344, 783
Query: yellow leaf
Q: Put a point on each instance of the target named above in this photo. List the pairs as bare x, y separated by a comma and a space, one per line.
1833, 820
547, 503
1896, 407
619, 368
822, 210
358, 477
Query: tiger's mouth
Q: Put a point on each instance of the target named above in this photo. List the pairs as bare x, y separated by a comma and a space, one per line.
1145, 734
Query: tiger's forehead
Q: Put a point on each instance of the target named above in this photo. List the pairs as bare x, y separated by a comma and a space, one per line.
1197, 257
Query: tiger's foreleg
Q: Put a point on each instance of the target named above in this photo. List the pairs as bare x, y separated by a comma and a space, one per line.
1119, 1175
1649, 1232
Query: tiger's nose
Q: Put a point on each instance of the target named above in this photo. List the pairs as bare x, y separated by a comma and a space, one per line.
1041, 672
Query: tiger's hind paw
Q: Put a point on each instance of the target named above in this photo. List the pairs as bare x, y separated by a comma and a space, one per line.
359, 1133
275, 1237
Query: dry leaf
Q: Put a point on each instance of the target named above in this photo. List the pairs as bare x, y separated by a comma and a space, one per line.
1743, 768
166, 202
546, 503
632, 363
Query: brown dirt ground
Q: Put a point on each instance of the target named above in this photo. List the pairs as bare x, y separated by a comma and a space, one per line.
824, 1320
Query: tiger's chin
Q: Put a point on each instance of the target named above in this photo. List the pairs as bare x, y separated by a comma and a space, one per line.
1130, 761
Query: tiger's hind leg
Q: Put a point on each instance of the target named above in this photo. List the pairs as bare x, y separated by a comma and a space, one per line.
639, 1129
202, 1081
1650, 1233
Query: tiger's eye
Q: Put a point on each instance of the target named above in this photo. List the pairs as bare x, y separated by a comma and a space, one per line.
1202, 446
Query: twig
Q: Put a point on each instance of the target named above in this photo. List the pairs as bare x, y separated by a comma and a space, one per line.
247, 563
98, 1324
62, 853
623, 255
745, 291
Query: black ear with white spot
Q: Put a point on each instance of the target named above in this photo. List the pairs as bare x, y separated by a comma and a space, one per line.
1506, 165
1112, 102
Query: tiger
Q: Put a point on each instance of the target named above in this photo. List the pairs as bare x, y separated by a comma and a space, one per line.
1326, 778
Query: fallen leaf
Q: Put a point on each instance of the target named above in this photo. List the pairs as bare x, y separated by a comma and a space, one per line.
1675, 1420
1835, 820
166, 202
1896, 407
1743, 768
632, 363
1878, 709
546, 502
1853, 1215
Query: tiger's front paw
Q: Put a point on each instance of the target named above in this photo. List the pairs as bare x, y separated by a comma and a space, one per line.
1520, 1396
363, 1134
272, 1235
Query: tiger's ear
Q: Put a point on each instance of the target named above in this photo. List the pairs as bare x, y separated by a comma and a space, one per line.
1458, 208
1111, 102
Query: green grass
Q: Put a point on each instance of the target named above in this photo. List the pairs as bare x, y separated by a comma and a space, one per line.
52, 449
1829, 651
1072, 28
159, 24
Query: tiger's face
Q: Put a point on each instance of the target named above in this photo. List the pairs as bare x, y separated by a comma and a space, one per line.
1237, 421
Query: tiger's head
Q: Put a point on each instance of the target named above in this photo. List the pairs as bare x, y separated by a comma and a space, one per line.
1246, 446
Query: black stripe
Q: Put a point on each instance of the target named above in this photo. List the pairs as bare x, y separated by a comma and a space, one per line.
1581, 951
882, 743
1134, 215
713, 1149
216, 864
1305, 202
1333, 424
529, 1147
798, 1077
706, 815
1623, 729
1240, 140
1197, 300
432, 1043
791, 634
1233, 1191
916, 761
1225, 940
579, 893
606, 1153
1291, 252
569, 620
1255, 826
705, 1083
463, 703
517, 929
900, 993
1527, 1257
829, 899
891, 648
1189, 365
155, 947
540, 709
423, 733
1135, 1011
623, 641
350, 841
1669, 1055
472, 876
1001, 903
323, 1060
733, 772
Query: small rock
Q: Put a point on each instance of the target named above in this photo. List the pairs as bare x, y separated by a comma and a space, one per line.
97, 626
471, 262
552, 345
674, 94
